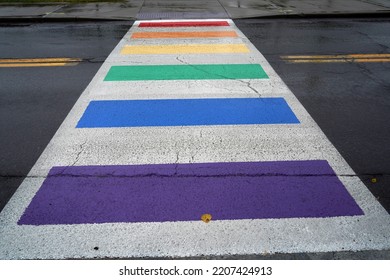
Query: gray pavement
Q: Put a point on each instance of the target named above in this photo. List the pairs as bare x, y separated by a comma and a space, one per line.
218, 9
187, 9
95, 146
32, 110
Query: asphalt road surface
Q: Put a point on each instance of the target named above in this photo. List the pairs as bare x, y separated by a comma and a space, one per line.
35, 100
337, 69
349, 101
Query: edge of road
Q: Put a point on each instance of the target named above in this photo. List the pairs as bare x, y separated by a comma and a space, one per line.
32, 19
333, 255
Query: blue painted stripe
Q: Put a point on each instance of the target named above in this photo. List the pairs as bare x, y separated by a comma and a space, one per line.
187, 112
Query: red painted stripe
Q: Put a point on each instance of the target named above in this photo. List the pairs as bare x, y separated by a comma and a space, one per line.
183, 23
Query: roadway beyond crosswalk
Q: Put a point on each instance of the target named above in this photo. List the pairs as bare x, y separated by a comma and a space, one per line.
180, 125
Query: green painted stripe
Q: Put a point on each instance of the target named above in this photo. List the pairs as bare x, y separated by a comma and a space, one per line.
186, 72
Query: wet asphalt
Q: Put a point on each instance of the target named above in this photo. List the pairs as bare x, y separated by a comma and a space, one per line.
34, 101
349, 101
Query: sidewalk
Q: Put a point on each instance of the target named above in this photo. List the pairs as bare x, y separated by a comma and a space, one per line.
187, 9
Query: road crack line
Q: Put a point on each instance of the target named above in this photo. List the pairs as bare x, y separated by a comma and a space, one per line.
248, 84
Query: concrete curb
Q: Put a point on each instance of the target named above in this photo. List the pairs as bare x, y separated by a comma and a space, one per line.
138, 9
291, 16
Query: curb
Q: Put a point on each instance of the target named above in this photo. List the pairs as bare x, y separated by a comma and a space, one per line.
42, 19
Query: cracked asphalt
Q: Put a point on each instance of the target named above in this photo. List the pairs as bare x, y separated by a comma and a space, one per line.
248, 84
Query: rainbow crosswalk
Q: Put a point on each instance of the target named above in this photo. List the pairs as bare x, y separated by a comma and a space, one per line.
187, 118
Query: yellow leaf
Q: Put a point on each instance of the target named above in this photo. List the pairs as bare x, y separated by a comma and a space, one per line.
206, 218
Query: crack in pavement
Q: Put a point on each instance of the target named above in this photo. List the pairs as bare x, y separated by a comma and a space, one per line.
248, 84
371, 75
81, 146
384, 47
175, 174
177, 160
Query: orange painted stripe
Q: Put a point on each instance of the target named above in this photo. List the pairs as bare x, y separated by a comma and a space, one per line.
205, 34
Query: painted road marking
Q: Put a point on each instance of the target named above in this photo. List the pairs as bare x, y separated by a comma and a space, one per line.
186, 112
183, 192
38, 62
183, 24
359, 58
101, 151
185, 72
176, 35
187, 48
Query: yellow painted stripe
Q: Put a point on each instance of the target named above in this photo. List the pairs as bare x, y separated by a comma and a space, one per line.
379, 57
338, 60
36, 64
373, 60
39, 60
317, 60
343, 56
205, 34
190, 48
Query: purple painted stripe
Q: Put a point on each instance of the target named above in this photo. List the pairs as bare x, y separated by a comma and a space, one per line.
183, 192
